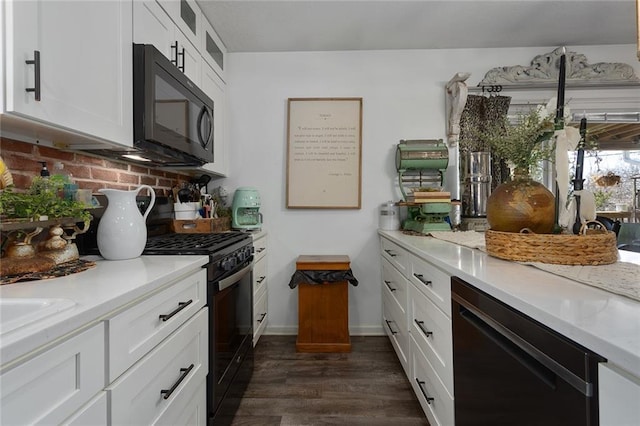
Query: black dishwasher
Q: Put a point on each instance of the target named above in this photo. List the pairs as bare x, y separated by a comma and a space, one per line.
511, 370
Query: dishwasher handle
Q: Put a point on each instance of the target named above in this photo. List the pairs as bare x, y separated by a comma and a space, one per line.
536, 361
535, 367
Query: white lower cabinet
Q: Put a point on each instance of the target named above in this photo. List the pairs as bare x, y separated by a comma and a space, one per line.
187, 411
619, 396
94, 413
395, 326
160, 385
260, 289
434, 398
260, 312
394, 311
144, 363
431, 331
135, 331
416, 299
50, 387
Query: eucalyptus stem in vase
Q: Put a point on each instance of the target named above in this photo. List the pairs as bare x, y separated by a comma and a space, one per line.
522, 203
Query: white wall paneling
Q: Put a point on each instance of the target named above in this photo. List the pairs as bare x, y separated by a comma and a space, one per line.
403, 98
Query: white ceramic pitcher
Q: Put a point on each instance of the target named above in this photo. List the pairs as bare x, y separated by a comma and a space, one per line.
122, 232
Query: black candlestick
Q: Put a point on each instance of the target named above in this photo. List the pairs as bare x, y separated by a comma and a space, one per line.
578, 181
561, 84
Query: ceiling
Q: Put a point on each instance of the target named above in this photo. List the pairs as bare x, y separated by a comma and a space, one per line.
325, 25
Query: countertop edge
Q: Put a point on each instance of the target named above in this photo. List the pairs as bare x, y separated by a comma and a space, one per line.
482, 271
92, 304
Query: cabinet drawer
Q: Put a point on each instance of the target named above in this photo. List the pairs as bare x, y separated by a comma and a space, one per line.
93, 413
436, 402
433, 282
396, 284
395, 325
189, 411
431, 329
395, 254
136, 331
260, 247
50, 387
260, 316
180, 363
259, 276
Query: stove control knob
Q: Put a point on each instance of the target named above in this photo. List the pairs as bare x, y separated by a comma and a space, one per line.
241, 256
228, 263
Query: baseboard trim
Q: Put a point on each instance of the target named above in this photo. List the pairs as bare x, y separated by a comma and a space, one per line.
353, 331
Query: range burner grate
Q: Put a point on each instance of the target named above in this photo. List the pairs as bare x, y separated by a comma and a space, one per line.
192, 243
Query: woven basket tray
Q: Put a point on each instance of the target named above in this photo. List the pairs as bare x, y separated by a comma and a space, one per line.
596, 247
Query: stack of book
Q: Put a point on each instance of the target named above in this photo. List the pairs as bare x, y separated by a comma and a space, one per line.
429, 197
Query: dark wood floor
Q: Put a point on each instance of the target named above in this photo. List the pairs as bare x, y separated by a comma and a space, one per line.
364, 387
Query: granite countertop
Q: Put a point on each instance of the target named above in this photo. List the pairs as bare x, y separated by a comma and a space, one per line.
87, 296
606, 323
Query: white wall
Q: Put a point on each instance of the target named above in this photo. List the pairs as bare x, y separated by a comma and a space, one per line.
403, 98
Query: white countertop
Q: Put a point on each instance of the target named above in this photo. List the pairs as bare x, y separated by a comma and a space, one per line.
93, 293
604, 322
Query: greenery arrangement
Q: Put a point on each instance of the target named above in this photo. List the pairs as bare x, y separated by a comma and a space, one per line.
521, 144
41, 199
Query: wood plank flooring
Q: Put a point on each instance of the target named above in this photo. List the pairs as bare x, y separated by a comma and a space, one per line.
365, 387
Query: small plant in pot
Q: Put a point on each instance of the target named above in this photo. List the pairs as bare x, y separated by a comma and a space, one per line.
522, 203
41, 201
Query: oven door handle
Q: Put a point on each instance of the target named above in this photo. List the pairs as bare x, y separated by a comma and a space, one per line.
232, 279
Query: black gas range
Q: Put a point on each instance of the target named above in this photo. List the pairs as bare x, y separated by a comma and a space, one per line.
227, 251
230, 302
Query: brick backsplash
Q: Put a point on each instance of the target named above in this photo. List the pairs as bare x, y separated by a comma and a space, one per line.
89, 172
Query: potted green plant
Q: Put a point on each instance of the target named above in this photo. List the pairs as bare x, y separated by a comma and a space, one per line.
521, 203
42, 201
521, 144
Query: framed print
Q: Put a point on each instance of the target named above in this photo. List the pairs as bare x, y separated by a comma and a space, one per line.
324, 153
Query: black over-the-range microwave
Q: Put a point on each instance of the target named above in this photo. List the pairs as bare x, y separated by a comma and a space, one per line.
172, 117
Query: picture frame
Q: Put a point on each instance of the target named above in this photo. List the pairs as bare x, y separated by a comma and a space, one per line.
324, 153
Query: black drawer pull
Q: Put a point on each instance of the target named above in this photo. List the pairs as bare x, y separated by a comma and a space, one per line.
175, 46
181, 306
262, 317
259, 280
36, 71
388, 285
424, 392
260, 250
390, 253
181, 68
167, 392
422, 279
421, 326
389, 325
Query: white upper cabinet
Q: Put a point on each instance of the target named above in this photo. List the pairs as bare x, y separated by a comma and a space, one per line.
214, 87
67, 65
152, 25
212, 48
187, 16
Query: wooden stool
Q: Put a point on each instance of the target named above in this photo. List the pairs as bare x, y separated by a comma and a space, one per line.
323, 309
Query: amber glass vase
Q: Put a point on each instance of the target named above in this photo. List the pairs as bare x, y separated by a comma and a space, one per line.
521, 204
